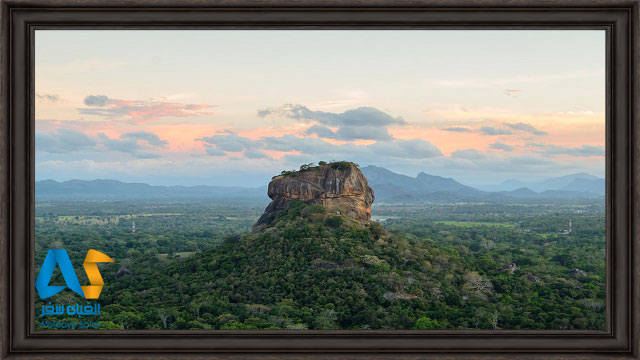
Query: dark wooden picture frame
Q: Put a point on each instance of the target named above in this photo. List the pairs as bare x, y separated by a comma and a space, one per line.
20, 19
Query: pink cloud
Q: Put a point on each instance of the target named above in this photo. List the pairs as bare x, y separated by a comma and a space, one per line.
140, 111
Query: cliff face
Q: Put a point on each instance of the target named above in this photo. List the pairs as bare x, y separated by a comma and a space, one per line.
342, 190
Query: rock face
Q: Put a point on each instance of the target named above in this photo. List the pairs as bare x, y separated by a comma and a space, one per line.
511, 268
343, 190
123, 271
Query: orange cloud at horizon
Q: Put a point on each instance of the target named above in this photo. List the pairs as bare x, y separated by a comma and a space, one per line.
565, 129
260, 132
274, 154
568, 129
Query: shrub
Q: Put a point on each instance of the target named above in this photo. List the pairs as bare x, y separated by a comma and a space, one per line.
334, 221
315, 209
376, 229
340, 165
425, 323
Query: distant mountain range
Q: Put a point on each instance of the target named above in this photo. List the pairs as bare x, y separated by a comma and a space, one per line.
391, 187
113, 189
575, 182
388, 187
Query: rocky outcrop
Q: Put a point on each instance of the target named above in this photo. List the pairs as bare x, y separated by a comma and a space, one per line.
122, 271
339, 187
577, 272
511, 268
532, 278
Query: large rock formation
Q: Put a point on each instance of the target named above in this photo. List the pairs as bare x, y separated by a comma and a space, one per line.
340, 187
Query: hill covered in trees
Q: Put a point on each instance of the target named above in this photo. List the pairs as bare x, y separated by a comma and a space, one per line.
313, 270
311, 265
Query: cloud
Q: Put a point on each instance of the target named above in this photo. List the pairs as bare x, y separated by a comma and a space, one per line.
362, 116
582, 151
142, 155
135, 143
526, 128
63, 141
490, 130
151, 138
96, 100
410, 149
528, 160
501, 146
321, 131
299, 112
51, 98
495, 131
230, 141
404, 149
214, 152
351, 133
289, 143
255, 154
363, 123
512, 92
363, 132
468, 154
140, 110
457, 129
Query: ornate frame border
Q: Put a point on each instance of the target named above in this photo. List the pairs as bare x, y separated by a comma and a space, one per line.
21, 18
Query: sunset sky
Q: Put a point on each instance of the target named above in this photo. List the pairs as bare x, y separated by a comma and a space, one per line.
237, 107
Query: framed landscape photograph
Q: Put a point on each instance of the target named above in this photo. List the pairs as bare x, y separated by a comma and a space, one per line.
319, 179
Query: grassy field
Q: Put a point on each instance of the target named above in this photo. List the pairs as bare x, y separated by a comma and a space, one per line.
100, 220
468, 224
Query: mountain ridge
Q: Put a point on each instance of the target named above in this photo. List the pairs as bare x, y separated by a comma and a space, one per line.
555, 183
110, 188
392, 187
388, 186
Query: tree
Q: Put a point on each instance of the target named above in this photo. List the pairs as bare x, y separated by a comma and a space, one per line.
334, 221
376, 229
425, 323
494, 320
164, 316
477, 285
